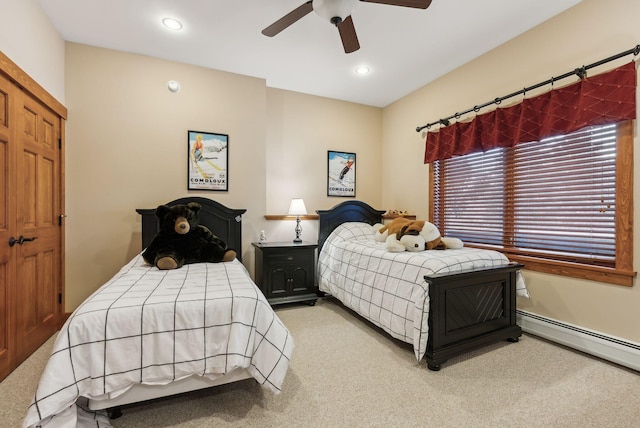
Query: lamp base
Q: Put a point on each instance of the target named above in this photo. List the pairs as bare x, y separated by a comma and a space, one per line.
298, 231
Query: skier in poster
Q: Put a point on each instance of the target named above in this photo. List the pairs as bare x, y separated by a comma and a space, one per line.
346, 168
198, 148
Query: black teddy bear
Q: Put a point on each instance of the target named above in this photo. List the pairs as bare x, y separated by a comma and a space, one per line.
182, 240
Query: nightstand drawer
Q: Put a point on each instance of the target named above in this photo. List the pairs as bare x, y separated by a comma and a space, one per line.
291, 258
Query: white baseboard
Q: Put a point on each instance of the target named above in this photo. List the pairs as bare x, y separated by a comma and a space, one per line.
591, 342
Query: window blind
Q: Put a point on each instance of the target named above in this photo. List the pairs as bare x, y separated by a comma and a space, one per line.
554, 198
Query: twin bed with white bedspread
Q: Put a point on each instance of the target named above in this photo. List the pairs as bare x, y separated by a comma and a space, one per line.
443, 302
158, 328
388, 288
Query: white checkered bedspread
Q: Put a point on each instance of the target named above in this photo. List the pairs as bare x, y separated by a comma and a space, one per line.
153, 327
388, 288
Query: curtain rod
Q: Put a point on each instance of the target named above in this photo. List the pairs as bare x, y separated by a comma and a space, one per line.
581, 72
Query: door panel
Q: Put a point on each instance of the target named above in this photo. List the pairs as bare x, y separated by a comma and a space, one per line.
4, 321
27, 294
28, 191
47, 306
37, 200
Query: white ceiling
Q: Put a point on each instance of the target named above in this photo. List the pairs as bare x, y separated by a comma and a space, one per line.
405, 48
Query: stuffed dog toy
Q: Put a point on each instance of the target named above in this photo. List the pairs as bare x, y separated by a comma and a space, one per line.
392, 228
402, 234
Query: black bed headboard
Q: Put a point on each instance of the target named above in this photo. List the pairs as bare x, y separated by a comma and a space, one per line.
224, 222
344, 212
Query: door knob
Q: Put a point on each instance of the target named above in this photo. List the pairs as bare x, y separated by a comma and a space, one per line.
21, 240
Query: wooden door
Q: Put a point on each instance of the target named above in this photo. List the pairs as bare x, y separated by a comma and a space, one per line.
37, 229
7, 225
31, 236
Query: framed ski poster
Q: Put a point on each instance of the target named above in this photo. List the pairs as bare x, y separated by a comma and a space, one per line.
208, 161
341, 174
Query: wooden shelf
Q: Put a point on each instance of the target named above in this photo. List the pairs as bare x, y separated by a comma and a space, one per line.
392, 216
291, 217
315, 217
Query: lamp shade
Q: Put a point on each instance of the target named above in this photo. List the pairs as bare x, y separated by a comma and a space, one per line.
297, 207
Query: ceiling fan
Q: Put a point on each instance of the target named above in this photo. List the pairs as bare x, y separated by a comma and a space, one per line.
337, 12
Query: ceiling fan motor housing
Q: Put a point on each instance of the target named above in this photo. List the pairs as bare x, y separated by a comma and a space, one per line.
334, 11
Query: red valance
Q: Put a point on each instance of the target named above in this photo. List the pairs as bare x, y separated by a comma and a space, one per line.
604, 98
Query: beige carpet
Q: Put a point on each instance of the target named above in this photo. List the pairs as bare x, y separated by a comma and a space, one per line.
344, 372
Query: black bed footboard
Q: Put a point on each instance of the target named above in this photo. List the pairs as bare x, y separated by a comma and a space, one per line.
470, 309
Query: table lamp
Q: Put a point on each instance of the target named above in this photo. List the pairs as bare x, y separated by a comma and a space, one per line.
297, 208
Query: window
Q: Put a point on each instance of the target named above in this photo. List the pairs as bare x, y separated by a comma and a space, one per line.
561, 205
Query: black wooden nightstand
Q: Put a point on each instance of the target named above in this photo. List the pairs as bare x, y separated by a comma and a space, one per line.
285, 272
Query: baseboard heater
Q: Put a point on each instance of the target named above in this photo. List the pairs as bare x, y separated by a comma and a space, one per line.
591, 342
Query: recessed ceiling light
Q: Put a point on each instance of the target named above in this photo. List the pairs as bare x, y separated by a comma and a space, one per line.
363, 70
172, 23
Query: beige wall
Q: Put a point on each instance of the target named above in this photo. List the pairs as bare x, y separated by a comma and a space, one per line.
31, 41
126, 149
588, 32
300, 130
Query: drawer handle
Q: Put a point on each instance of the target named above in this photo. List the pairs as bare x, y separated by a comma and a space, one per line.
290, 258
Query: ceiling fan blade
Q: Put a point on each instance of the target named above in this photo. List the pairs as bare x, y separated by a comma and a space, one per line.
418, 4
348, 35
288, 19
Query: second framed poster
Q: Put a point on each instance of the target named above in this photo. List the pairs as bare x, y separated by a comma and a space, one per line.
341, 174
208, 161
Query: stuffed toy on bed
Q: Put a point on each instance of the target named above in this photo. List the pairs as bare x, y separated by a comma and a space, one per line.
182, 240
402, 234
